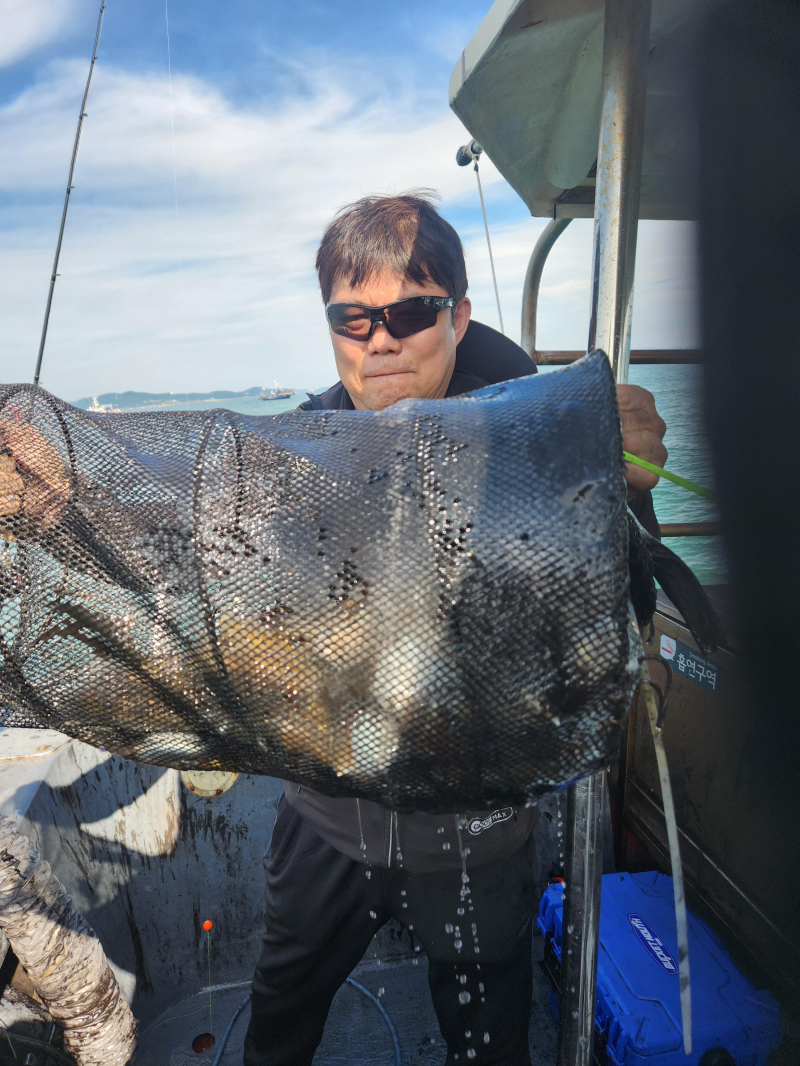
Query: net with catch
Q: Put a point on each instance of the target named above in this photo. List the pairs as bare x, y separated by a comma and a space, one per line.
425, 606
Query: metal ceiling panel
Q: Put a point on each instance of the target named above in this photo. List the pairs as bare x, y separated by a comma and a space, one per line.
527, 87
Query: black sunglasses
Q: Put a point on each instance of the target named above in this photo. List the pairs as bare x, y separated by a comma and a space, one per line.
401, 319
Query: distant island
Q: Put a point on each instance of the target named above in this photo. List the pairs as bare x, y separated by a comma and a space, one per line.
126, 401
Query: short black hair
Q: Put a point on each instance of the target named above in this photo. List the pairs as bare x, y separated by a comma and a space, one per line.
403, 234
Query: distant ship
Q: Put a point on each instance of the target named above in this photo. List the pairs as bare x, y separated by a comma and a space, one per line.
103, 408
276, 393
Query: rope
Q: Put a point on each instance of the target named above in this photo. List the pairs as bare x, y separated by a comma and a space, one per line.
228, 1031
681, 921
364, 991
384, 1014
210, 1019
489, 244
40, 1045
682, 481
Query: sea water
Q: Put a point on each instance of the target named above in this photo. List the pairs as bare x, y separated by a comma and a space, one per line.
678, 395
677, 391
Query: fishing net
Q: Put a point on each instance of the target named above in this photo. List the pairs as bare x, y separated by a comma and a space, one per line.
425, 606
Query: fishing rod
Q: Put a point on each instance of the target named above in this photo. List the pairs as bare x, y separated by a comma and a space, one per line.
70, 187
674, 478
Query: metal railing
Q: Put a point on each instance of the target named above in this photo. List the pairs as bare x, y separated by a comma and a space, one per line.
638, 357
690, 529
626, 43
641, 356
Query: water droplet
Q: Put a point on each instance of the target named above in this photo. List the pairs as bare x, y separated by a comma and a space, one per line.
474, 929
467, 1033
465, 878
460, 910
486, 1038
381, 992
372, 914
481, 989
464, 997
448, 928
463, 978
402, 892
405, 905
457, 945
415, 962
477, 950
445, 846
440, 829
471, 1052
369, 874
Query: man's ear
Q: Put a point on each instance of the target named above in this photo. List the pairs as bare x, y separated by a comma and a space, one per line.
461, 315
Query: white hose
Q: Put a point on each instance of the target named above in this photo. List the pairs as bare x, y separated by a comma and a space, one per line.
62, 956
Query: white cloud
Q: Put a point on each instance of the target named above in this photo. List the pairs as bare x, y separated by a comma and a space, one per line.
27, 25
226, 289
448, 37
224, 294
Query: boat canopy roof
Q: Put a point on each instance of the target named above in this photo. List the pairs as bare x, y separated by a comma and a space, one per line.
528, 86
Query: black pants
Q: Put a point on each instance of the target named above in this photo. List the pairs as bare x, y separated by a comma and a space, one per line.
323, 910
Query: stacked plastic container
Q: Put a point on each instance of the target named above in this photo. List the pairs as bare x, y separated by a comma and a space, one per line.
638, 1014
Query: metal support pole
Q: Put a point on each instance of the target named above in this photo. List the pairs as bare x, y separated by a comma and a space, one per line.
533, 278
581, 924
626, 44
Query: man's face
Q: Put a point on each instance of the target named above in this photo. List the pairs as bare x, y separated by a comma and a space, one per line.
382, 370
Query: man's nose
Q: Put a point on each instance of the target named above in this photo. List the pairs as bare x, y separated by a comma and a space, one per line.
382, 342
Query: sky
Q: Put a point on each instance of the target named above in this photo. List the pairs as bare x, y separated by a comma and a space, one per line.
199, 198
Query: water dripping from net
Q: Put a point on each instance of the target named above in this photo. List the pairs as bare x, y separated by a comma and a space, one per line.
362, 843
465, 893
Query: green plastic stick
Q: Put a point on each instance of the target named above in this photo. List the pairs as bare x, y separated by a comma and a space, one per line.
690, 485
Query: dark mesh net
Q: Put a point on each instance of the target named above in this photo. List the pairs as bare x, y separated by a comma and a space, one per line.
426, 606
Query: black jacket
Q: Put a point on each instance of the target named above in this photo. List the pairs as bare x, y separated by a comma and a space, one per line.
424, 843
483, 357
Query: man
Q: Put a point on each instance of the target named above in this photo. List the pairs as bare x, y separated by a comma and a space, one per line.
394, 283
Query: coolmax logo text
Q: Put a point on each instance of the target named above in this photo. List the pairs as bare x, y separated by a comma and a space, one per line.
477, 825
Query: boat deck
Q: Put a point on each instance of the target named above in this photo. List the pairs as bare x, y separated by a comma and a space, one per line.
356, 1033
146, 861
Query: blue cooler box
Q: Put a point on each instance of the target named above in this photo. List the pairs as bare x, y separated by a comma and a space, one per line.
638, 1013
